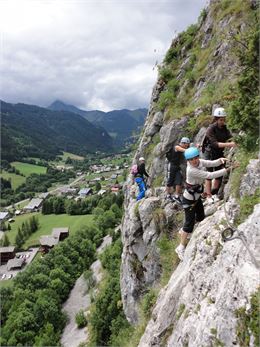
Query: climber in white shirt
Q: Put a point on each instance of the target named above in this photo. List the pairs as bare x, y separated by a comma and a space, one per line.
195, 175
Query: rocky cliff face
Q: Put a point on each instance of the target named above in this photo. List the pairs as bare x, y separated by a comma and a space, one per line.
198, 305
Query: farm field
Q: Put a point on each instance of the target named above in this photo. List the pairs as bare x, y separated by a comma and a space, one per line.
16, 180
66, 155
28, 169
72, 156
47, 223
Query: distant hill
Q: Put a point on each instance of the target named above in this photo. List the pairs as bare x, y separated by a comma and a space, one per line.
32, 131
120, 124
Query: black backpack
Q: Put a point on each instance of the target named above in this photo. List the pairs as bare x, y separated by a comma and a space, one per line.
170, 155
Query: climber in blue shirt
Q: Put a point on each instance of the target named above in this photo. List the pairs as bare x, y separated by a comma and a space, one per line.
139, 178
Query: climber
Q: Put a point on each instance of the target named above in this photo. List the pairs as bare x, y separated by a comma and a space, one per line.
139, 178
213, 147
192, 203
174, 175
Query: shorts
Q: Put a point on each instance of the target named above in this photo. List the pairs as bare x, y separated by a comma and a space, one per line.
174, 176
194, 212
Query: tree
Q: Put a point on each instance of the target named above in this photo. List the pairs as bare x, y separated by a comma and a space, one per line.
107, 220
245, 108
3, 226
80, 319
6, 241
9, 226
47, 337
34, 223
19, 240
117, 211
97, 186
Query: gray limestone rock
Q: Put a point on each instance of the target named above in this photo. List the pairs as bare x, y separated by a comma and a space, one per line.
251, 180
140, 258
154, 126
171, 133
197, 307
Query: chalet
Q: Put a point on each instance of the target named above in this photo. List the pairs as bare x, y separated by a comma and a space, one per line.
4, 216
15, 264
6, 253
85, 192
34, 205
47, 242
60, 233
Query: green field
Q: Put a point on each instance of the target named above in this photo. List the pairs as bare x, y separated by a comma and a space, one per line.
28, 169
47, 222
16, 180
72, 156
6, 283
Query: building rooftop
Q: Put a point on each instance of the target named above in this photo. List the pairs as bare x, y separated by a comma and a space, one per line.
47, 240
14, 263
57, 231
85, 190
34, 203
3, 215
8, 249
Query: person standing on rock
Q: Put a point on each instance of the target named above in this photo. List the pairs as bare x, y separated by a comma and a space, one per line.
192, 203
174, 175
139, 178
213, 147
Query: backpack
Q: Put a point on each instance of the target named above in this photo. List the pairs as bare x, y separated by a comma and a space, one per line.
170, 155
134, 169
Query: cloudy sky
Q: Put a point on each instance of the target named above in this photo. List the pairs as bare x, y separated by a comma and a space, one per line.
98, 54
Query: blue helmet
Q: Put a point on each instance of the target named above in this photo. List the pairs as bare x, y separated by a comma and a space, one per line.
185, 140
191, 152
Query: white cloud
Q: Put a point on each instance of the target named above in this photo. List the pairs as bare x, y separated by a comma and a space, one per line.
93, 54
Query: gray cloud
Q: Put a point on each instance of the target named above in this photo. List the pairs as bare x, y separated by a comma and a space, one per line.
95, 55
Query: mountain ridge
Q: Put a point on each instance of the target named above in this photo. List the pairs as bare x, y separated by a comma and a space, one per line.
25, 129
120, 124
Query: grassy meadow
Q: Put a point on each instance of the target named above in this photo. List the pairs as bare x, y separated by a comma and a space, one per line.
28, 169
46, 224
16, 180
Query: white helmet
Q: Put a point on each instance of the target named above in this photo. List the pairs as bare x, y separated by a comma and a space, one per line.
141, 159
219, 112
185, 140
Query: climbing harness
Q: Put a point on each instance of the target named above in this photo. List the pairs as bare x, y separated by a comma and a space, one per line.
227, 234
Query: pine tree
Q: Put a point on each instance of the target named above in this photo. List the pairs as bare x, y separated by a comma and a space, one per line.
6, 241
19, 238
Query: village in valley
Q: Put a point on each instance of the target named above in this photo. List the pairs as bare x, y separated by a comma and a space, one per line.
105, 177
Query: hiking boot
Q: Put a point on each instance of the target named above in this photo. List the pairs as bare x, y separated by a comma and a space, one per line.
209, 200
169, 198
180, 250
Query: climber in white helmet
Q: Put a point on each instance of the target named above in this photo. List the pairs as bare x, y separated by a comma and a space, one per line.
216, 140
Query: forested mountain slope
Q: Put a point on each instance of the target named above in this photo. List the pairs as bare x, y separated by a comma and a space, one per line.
120, 124
32, 131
